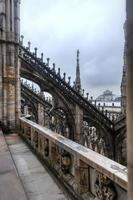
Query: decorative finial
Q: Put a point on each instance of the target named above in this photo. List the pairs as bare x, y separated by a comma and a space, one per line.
29, 46
91, 99
64, 76
48, 59
58, 72
22, 39
35, 51
87, 94
42, 57
69, 80
53, 69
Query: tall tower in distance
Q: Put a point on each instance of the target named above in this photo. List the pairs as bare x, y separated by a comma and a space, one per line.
123, 86
124, 78
77, 84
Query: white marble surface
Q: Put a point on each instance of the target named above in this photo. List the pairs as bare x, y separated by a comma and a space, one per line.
11, 187
112, 169
38, 184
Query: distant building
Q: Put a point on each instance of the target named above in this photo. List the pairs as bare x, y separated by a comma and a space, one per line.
107, 96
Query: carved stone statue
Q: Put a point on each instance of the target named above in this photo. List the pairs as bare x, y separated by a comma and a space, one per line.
104, 188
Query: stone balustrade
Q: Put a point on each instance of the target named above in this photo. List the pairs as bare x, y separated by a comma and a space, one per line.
85, 173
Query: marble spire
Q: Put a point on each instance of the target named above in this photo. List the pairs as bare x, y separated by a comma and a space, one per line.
77, 85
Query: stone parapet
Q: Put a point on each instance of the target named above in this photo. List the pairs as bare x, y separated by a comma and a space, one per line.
85, 173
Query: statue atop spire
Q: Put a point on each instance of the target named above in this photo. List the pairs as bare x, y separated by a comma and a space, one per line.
77, 85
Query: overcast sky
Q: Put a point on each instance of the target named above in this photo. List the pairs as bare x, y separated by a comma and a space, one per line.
95, 27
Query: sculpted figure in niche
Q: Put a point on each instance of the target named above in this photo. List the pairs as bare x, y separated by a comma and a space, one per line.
104, 188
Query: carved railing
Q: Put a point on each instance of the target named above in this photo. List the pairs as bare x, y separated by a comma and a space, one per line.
85, 173
65, 88
112, 111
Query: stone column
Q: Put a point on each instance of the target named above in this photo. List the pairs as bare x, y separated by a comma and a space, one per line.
26, 111
129, 54
78, 135
9, 63
41, 114
2, 55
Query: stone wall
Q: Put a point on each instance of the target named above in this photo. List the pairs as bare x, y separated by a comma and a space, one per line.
9, 63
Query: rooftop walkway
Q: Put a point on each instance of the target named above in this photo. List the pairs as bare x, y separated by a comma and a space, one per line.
22, 176
10, 185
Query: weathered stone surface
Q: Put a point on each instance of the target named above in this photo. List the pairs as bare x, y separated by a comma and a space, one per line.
38, 184
10, 184
9, 64
83, 161
129, 56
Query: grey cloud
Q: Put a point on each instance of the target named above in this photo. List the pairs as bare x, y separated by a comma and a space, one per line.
60, 27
